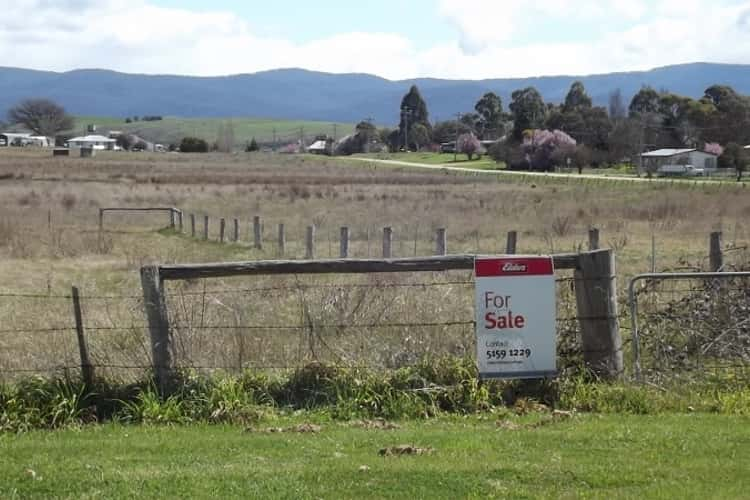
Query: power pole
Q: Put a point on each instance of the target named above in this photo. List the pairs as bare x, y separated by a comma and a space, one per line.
405, 114
274, 140
455, 146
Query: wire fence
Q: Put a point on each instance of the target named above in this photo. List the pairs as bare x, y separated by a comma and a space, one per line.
382, 321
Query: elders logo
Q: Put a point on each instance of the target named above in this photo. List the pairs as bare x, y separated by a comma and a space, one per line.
514, 267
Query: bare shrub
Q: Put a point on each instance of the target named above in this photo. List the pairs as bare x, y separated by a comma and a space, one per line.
562, 225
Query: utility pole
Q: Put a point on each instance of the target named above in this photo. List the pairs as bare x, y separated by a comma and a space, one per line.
455, 146
335, 133
274, 140
405, 115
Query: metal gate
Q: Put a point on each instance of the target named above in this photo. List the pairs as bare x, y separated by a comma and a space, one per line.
690, 326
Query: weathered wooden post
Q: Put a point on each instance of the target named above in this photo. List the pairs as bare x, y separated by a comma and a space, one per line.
87, 369
310, 243
180, 225
593, 239
387, 242
510, 244
236, 230
192, 225
282, 240
441, 242
101, 220
205, 227
344, 243
257, 232
222, 228
716, 257
596, 298
172, 223
158, 326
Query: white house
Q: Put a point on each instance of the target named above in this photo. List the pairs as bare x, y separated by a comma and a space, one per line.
677, 161
23, 139
98, 142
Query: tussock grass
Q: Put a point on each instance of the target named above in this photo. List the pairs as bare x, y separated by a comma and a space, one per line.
448, 386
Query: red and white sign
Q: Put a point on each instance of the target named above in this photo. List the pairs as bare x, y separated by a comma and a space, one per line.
516, 317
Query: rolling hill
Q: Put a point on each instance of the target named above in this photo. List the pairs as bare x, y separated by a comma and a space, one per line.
306, 95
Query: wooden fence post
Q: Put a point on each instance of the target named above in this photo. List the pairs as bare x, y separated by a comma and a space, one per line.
344, 243
510, 245
101, 221
222, 228
387, 242
180, 225
236, 230
87, 369
282, 240
593, 239
257, 232
192, 225
172, 222
205, 227
158, 326
310, 243
596, 298
441, 242
715, 254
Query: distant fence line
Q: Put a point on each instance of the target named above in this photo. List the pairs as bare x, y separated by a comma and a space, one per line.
229, 231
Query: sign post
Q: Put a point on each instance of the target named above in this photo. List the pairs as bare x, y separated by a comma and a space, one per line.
516, 317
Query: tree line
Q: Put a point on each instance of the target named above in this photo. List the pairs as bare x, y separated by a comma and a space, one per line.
534, 134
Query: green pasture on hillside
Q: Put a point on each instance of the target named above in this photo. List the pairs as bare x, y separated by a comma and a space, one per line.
172, 129
489, 456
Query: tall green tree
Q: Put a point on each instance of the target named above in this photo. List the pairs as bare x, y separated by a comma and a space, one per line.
490, 110
646, 101
413, 111
577, 99
528, 109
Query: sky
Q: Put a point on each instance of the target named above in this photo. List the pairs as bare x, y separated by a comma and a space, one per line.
395, 39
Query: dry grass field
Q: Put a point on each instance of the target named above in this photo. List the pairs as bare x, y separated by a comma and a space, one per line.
49, 240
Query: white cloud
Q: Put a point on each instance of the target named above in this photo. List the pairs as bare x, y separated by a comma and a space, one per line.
494, 38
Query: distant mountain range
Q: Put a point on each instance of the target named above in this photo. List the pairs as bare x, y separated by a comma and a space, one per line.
307, 95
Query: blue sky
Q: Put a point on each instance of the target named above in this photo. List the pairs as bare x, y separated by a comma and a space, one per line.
396, 39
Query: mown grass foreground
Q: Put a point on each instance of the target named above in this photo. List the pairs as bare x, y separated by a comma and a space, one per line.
590, 456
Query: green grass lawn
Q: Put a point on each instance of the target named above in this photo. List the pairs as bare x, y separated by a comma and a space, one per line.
587, 456
173, 129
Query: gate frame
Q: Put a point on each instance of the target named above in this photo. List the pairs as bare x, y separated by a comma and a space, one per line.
633, 303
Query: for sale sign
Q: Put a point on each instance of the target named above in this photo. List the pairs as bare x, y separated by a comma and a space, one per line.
515, 307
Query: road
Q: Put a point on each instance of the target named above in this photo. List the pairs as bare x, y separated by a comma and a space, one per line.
548, 175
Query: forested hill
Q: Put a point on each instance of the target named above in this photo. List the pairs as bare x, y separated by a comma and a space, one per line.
307, 95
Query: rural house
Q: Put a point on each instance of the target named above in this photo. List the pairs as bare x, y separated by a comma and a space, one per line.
23, 139
680, 162
98, 142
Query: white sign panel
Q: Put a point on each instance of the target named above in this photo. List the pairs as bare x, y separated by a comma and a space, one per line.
516, 316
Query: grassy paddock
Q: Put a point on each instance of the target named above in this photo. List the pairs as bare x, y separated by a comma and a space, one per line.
49, 240
501, 456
